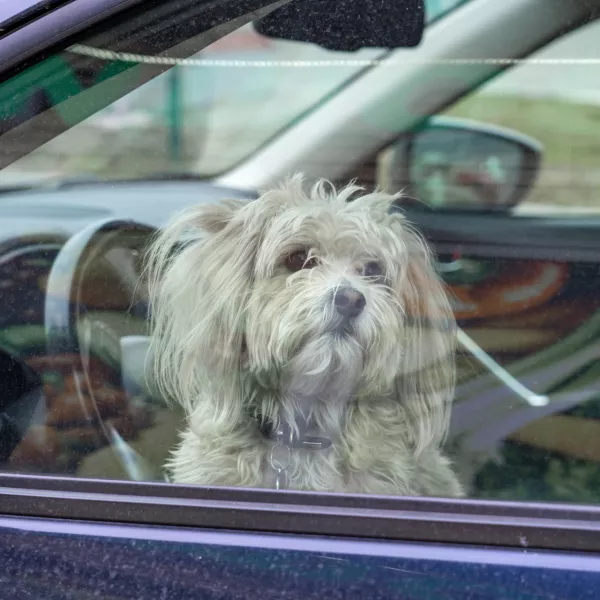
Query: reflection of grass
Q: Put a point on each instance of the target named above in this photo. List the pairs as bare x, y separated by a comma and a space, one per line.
570, 134
570, 175
119, 153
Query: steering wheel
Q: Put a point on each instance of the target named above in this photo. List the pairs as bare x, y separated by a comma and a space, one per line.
95, 278
65, 303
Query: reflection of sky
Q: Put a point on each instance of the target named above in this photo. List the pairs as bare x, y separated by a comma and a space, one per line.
570, 82
433, 8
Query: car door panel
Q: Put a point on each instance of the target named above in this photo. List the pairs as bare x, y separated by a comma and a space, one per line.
87, 559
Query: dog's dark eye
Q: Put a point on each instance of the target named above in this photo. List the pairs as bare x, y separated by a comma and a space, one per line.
299, 260
372, 269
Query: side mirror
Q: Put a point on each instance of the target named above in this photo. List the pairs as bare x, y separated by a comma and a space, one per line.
461, 165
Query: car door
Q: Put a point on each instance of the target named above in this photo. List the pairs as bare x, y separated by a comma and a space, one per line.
85, 517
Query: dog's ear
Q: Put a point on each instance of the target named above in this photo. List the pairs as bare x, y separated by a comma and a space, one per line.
426, 379
198, 294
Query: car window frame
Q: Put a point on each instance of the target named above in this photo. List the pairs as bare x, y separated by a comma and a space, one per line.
12, 17
64, 20
530, 525
491, 523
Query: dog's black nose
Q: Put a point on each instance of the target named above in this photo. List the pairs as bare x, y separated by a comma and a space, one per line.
349, 302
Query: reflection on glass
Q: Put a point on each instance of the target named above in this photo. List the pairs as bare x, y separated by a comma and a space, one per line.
461, 169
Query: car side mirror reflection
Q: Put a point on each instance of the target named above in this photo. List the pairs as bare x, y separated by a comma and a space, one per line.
461, 165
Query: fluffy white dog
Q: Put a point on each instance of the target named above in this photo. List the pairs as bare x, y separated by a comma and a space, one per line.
310, 342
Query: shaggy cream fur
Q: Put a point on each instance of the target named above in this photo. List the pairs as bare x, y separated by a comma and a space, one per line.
247, 330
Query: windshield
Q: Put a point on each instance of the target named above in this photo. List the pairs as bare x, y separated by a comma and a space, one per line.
203, 114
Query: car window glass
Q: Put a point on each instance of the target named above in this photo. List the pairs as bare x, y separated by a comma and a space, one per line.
205, 114
130, 140
552, 97
78, 408
527, 312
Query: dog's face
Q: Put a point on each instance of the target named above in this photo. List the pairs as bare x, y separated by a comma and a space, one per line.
325, 299
318, 293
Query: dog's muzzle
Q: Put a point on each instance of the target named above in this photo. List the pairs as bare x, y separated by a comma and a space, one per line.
348, 302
